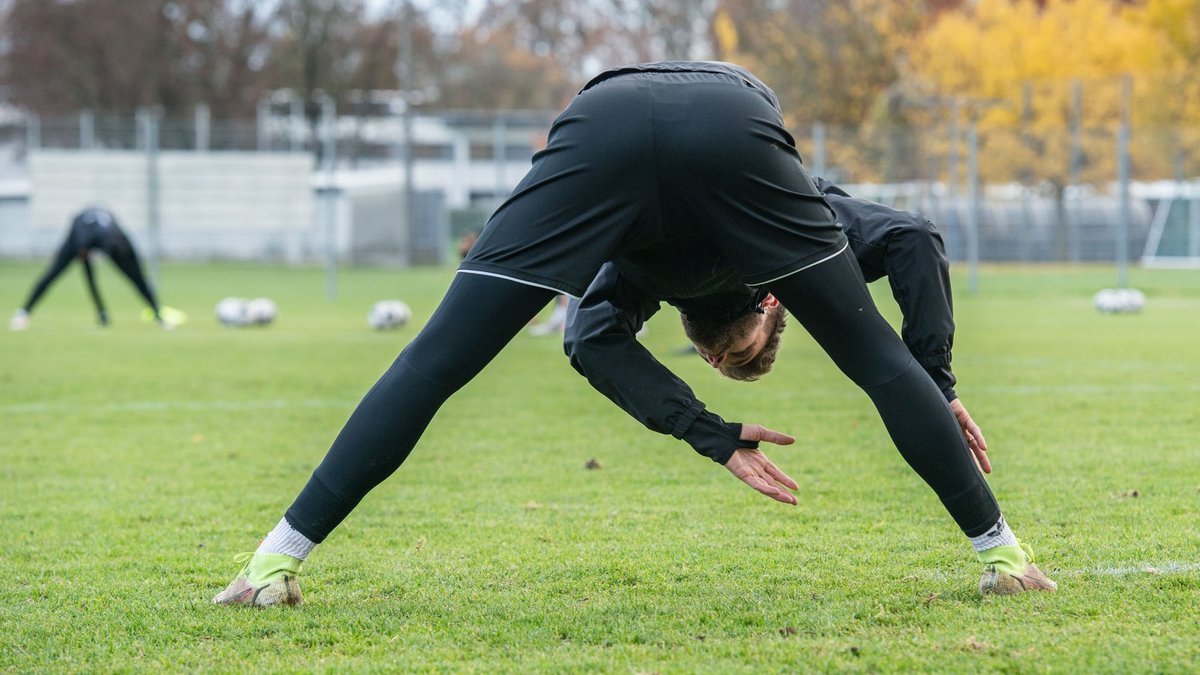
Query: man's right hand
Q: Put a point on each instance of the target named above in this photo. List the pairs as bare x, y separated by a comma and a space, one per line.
972, 434
753, 468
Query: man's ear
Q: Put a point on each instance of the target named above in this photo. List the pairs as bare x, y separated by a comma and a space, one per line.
770, 301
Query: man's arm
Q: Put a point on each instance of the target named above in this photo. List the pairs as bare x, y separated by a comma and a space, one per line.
601, 342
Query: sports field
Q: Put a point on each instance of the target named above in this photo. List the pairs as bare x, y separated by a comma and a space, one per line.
134, 464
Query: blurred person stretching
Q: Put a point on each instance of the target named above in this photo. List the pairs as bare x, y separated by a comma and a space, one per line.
94, 229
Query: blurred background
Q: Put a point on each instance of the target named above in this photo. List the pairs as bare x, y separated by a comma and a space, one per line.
379, 132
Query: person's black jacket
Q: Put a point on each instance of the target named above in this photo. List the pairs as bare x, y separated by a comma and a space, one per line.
601, 342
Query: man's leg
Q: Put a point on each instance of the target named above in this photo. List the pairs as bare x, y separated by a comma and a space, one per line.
833, 304
477, 318
90, 276
66, 253
126, 260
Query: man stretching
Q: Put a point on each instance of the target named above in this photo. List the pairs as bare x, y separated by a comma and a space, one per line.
647, 157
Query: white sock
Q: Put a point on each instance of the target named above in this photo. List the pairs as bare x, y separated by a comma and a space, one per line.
286, 540
998, 535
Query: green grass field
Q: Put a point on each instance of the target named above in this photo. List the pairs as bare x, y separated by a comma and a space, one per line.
134, 463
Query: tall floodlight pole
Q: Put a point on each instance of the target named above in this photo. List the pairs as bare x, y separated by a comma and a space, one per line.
406, 91
1124, 215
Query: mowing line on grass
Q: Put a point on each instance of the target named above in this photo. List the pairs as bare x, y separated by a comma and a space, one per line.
1152, 569
170, 406
1169, 567
275, 404
1123, 388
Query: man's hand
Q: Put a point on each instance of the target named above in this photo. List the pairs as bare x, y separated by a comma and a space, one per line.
974, 436
754, 469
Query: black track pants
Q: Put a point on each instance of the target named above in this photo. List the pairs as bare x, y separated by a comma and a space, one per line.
62, 260
476, 319
126, 260
119, 250
833, 304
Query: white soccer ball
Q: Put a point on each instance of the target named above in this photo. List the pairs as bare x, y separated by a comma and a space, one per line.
389, 314
261, 311
1119, 300
232, 312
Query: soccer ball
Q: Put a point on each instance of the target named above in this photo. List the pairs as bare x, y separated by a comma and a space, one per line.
232, 312
389, 314
1119, 300
261, 311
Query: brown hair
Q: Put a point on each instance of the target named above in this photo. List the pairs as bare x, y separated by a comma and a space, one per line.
716, 336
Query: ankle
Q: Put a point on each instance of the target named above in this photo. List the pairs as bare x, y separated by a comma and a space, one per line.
1010, 559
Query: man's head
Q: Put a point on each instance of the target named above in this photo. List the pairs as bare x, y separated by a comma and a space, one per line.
743, 348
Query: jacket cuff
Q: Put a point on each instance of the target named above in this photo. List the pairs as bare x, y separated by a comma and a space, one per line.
713, 437
944, 378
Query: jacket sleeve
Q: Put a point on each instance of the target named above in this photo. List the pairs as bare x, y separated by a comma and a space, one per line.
919, 273
601, 342
907, 249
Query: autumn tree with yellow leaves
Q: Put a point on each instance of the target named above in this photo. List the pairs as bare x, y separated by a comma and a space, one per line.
1029, 71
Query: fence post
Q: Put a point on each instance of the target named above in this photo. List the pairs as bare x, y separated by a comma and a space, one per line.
499, 153
406, 90
1124, 214
33, 133
818, 149
1074, 243
329, 194
87, 130
953, 217
975, 211
148, 121
296, 124
1194, 225
203, 120
262, 114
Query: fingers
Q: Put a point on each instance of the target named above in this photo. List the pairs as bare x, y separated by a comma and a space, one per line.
978, 434
757, 432
754, 469
981, 457
973, 435
971, 430
771, 490
971, 442
780, 477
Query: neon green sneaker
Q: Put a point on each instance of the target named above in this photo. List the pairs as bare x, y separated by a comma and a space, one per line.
1010, 570
267, 579
168, 317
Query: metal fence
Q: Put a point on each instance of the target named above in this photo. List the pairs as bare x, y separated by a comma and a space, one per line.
1029, 194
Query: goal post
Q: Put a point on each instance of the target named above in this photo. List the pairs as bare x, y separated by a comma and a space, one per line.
1174, 236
